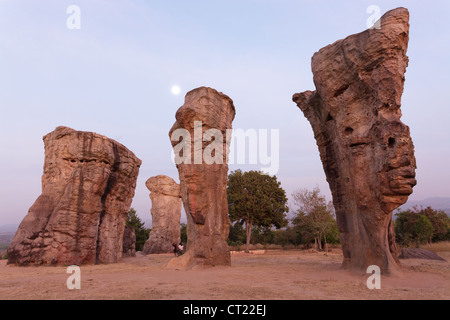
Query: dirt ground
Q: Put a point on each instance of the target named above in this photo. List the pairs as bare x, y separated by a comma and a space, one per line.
277, 274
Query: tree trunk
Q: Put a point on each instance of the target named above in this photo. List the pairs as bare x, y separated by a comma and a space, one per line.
319, 242
248, 227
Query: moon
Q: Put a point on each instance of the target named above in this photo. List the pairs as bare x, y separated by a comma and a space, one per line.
176, 90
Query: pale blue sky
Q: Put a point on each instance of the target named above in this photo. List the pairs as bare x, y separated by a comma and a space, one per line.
114, 77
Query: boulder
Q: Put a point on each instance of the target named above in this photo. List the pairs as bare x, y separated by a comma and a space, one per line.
366, 150
417, 253
165, 195
199, 139
87, 188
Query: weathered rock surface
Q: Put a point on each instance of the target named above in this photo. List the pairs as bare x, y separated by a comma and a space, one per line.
203, 183
87, 188
129, 242
366, 151
417, 253
166, 214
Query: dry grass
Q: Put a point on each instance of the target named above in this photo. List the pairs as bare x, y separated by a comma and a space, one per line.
443, 246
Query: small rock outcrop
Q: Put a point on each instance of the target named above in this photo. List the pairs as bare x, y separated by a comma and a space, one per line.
366, 150
201, 150
87, 188
129, 242
165, 195
417, 253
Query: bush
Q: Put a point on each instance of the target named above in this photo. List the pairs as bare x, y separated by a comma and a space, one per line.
4, 255
414, 226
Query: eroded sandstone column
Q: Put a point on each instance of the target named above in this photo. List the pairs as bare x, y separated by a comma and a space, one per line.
166, 214
87, 188
200, 145
366, 150
129, 242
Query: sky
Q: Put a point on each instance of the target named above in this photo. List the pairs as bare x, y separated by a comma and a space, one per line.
114, 72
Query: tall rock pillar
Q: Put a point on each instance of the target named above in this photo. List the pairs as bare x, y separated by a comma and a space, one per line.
199, 138
166, 214
87, 188
366, 150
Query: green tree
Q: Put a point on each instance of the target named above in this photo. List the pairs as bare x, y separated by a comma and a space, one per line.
262, 235
423, 228
287, 236
440, 222
236, 235
183, 232
256, 199
314, 218
142, 233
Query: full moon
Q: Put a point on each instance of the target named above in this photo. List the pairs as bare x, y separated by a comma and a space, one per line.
176, 90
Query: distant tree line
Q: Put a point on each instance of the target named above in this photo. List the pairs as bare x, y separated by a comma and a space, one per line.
258, 209
421, 225
258, 212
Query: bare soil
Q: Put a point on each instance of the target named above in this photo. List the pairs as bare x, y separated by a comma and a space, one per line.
276, 274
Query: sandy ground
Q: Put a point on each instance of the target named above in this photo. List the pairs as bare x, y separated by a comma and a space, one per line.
273, 275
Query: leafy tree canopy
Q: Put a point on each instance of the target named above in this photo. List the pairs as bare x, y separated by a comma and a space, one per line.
256, 199
314, 217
